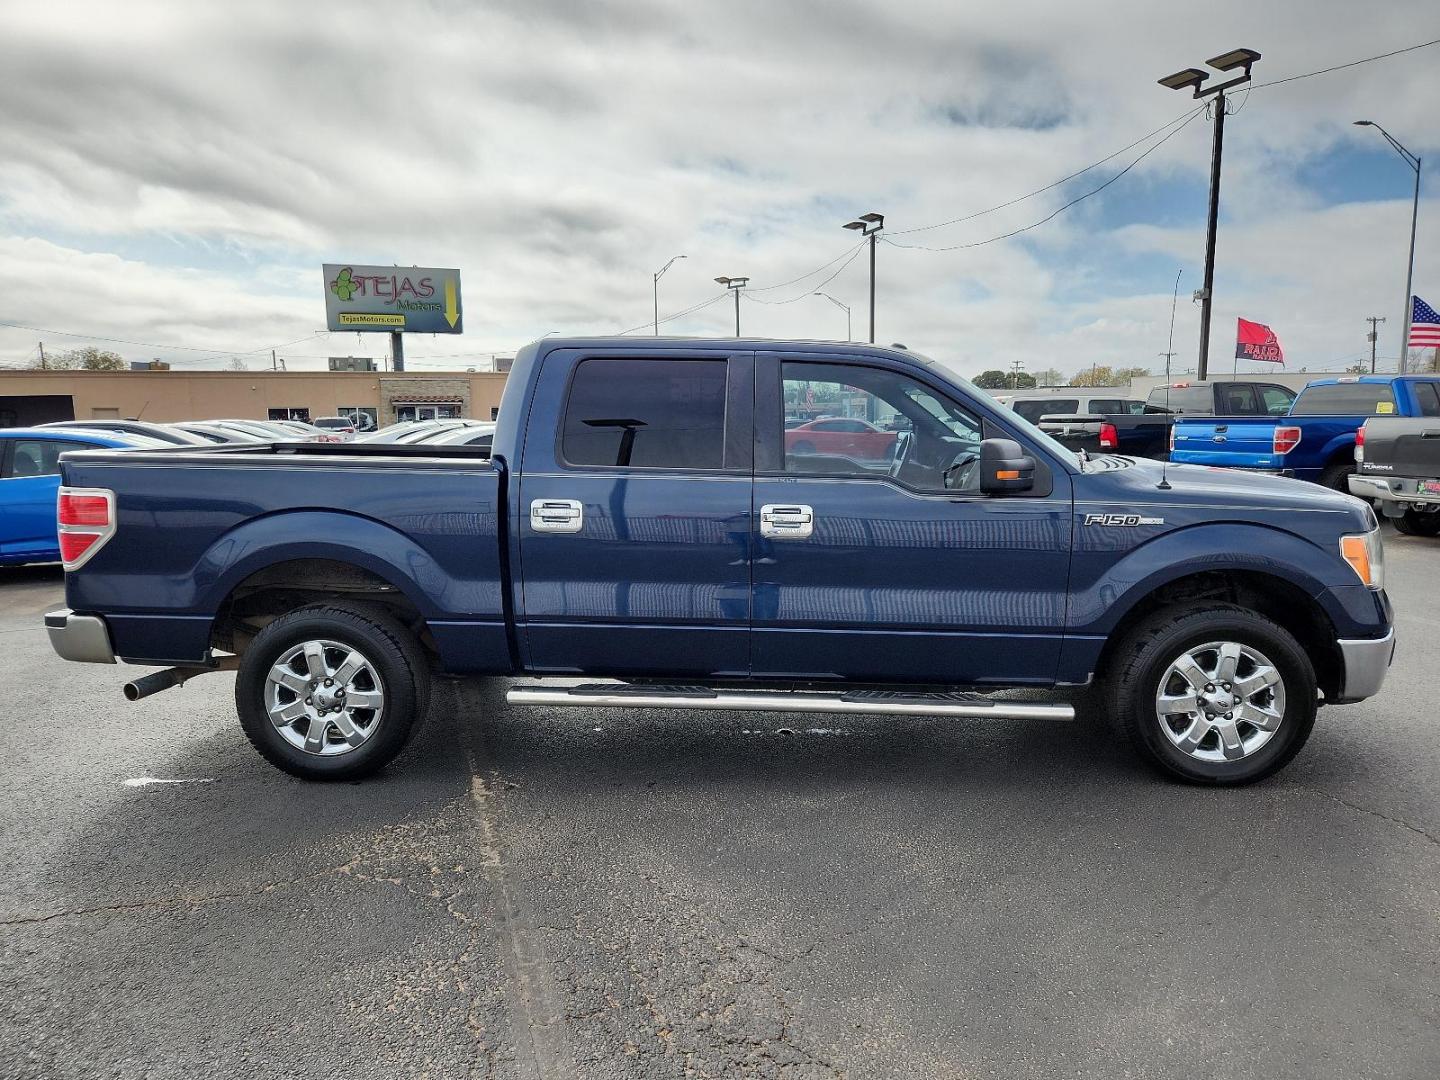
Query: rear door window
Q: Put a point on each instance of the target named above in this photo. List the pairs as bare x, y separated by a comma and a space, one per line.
662, 413
1429, 399
1183, 399
1276, 399
1033, 409
1237, 400
1346, 399
38, 457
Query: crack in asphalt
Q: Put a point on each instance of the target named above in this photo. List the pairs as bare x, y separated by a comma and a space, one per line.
1417, 830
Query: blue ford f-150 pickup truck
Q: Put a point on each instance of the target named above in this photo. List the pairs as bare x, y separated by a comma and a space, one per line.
1315, 441
642, 519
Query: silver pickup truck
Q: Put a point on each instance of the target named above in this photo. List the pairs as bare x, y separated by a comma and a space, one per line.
1397, 466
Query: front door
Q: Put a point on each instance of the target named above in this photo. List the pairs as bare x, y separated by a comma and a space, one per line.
29, 483
876, 558
635, 519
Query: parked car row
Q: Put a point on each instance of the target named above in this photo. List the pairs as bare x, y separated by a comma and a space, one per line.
30, 460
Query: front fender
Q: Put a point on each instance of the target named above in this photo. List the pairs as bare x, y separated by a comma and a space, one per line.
1105, 589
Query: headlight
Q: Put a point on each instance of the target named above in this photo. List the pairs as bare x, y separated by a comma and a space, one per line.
1366, 556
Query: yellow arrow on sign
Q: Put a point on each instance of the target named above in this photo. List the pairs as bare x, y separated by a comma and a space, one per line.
452, 312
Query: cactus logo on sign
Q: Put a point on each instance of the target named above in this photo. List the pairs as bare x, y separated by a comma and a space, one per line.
412, 300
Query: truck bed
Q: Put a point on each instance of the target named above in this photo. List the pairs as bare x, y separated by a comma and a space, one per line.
194, 524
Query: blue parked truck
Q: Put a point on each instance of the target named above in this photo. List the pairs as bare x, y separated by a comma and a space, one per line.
1315, 440
643, 522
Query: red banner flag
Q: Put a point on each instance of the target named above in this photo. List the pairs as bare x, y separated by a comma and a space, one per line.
1256, 341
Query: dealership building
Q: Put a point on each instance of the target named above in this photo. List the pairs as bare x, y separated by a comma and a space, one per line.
38, 397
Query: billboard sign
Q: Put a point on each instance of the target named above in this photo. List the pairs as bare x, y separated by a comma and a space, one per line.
401, 299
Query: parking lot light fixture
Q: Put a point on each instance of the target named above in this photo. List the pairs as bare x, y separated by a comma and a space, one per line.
1414, 162
848, 335
655, 282
1194, 79
870, 225
734, 284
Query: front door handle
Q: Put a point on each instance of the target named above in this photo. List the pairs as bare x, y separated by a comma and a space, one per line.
557, 515
786, 521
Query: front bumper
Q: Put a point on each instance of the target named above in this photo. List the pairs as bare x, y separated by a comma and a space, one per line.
82, 638
1366, 662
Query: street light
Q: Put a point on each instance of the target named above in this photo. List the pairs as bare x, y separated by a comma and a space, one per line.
837, 303
869, 225
1414, 163
656, 287
1242, 59
734, 284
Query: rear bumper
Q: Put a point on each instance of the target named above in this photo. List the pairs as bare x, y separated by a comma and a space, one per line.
83, 638
1366, 662
1390, 490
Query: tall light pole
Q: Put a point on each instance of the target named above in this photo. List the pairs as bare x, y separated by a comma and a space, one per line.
1184, 80
1414, 163
869, 225
848, 335
734, 284
656, 283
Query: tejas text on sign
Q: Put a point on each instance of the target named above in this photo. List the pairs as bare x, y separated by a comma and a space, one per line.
393, 299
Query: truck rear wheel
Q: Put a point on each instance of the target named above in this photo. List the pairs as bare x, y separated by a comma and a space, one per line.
1418, 522
1217, 696
1337, 475
331, 692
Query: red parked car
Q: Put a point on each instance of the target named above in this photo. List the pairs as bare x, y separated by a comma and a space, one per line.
845, 435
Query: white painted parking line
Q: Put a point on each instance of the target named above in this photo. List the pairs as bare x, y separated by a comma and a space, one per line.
146, 781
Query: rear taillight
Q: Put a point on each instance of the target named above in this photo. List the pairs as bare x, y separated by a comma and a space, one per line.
1360, 445
85, 518
1286, 439
1172, 438
1109, 440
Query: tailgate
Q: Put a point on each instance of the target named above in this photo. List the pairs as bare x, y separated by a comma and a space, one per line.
1244, 442
1396, 447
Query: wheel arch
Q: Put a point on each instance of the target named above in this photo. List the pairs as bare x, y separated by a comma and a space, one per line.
1280, 600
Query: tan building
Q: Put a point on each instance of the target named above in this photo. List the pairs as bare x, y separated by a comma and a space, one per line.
37, 397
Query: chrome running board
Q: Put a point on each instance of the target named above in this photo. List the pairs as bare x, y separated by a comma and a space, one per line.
872, 702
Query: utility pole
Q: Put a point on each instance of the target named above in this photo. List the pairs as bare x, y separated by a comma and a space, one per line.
1168, 357
274, 364
44, 364
655, 284
397, 350
1373, 336
734, 284
1015, 367
869, 226
1194, 77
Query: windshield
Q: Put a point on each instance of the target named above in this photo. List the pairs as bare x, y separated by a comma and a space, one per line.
1030, 430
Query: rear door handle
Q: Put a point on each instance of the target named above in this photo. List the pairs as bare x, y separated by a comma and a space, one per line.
786, 521
557, 515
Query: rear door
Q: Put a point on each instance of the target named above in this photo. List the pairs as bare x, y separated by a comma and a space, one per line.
29, 483
635, 514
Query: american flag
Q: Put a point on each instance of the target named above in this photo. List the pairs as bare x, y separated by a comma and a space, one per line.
1424, 325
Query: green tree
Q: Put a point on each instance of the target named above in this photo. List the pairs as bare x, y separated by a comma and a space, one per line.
1099, 375
87, 359
1049, 377
1125, 375
993, 380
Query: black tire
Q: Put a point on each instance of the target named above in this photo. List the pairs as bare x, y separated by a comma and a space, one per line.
395, 661
1143, 661
1337, 475
1418, 523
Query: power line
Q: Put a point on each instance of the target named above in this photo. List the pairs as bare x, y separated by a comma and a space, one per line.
1040, 191
1056, 213
677, 315
1342, 67
812, 273
214, 353
810, 290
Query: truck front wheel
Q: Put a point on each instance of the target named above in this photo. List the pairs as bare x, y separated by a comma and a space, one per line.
331, 692
1217, 696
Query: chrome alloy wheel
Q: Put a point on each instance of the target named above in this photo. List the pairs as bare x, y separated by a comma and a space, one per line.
324, 697
1220, 702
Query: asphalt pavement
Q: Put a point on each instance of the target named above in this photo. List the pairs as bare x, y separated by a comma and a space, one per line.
606, 893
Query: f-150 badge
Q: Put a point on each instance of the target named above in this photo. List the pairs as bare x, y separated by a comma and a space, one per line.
1123, 520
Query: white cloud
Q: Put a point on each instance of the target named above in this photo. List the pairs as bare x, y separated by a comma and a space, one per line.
560, 152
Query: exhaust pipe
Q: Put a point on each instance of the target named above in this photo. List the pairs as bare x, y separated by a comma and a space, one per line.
156, 681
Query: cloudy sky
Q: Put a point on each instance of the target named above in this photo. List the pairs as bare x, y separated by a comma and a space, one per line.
174, 174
